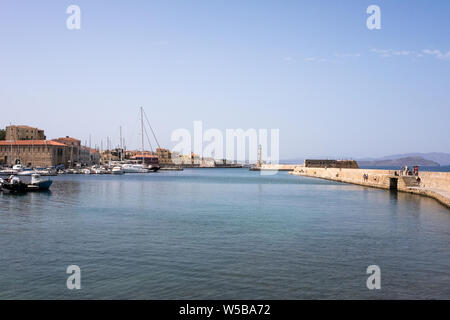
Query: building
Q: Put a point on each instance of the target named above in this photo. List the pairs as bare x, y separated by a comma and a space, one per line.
88, 156
116, 154
148, 159
94, 156
24, 133
331, 164
33, 153
74, 146
164, 156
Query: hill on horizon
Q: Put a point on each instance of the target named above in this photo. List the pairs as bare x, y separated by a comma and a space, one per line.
439, 158
401, 162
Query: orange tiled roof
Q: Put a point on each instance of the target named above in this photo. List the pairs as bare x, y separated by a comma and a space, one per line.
31, 143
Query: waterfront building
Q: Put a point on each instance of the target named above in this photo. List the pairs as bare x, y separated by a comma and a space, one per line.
88, 156
21, 132
74, 146
164, 156
33, 153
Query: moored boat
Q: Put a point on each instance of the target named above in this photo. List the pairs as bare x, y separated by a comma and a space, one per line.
117, 170
13, 185
37, 184
134, 168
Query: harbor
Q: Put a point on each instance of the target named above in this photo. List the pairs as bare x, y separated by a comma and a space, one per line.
223, 159
173, 234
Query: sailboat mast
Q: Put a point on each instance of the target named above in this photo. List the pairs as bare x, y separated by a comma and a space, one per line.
142, 133
121, 145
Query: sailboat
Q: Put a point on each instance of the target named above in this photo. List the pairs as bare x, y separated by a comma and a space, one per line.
143, 167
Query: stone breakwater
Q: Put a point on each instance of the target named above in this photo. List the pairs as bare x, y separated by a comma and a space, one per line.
432, 184
278, 167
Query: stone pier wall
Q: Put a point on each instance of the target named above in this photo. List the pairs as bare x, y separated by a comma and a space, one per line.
433, 184
279, 167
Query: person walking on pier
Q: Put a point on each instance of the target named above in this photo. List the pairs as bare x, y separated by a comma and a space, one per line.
418, 181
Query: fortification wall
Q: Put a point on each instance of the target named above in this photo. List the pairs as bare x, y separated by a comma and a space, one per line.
375, 178
433, 184
435, 180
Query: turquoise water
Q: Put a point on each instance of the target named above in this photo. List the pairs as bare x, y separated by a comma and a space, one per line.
221, 234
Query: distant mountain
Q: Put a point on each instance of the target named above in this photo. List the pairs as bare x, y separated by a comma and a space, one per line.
401, 162
435, 158
440, 157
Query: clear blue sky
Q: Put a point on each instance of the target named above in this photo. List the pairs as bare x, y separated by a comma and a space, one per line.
310, 68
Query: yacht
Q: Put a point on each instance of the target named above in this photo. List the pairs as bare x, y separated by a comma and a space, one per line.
134, 168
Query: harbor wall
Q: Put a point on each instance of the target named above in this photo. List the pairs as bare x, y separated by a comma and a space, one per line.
435, 180
433, 184
279, 167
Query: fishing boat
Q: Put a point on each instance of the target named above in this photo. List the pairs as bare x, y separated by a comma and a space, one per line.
37, 184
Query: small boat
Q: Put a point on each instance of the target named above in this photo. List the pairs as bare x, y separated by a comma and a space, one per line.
46, 171
117, 170
37, 184
13, 185
18, 167
98, 170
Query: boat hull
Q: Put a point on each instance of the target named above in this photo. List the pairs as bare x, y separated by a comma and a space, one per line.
40, 186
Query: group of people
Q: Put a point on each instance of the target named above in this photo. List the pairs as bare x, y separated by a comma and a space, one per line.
405, 172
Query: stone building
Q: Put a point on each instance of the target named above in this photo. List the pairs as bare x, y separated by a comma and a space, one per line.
319, 163
88, 156
24, 133
74, 150
33, 153
164, 156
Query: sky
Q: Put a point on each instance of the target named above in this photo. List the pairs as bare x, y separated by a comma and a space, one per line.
311, 69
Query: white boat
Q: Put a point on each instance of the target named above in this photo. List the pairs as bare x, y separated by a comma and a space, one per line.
8, 172
134, 168
18, 167
98, 170
117, 170
26, 172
